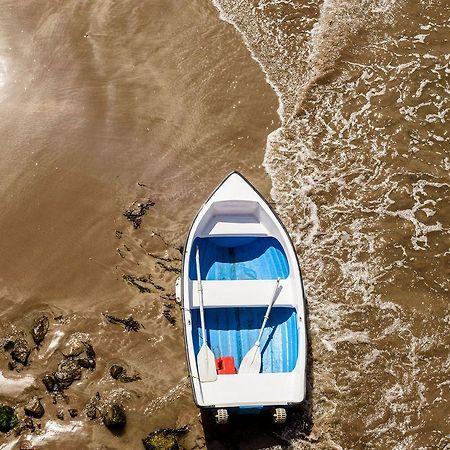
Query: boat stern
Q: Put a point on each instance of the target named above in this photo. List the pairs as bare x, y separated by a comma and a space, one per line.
251, 390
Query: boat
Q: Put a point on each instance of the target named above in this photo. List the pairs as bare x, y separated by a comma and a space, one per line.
243, 306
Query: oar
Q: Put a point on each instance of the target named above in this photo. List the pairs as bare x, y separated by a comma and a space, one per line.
206, 362
252, 360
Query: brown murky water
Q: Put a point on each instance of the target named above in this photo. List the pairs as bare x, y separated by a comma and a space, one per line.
104, 103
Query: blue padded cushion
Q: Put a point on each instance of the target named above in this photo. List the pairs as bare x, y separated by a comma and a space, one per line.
233, 332
239, 258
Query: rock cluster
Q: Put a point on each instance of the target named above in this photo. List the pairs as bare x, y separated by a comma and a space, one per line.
18, 346
69, 369
79, 355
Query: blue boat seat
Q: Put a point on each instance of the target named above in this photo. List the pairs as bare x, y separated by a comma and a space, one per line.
233, 331
239, 258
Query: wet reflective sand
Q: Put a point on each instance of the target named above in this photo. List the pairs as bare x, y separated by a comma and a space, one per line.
101, 105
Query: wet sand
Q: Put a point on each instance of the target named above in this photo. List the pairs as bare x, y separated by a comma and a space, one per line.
102, 105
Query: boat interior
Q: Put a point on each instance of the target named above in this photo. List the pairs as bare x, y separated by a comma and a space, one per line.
233, 330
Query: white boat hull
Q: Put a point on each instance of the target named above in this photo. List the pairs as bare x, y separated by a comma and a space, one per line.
244, 249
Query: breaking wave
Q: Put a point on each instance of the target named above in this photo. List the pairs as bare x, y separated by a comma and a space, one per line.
360, 175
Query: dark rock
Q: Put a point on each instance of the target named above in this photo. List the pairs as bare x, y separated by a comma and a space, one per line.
34, 408
75, 348
73, 413
68, 371
50, 383
129, 323
21, 352
164, 439
12, 365
8, 345
90, 353
91, 407
40, 329
115, 416
29, 424
86, 363
60, 414
91, 410
119, 373
8, 418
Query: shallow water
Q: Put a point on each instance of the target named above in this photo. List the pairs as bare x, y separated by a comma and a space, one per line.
345, 102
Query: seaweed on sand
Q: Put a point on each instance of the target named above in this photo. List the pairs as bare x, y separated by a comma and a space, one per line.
137, 210
129, 323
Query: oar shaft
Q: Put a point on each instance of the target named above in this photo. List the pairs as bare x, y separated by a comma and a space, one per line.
200, 294
266, 316
251, 363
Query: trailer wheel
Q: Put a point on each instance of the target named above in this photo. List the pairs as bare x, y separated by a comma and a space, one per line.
279, 415
221, 416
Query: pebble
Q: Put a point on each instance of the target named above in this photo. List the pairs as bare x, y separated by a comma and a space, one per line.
40, 329
115, 416
21, 352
